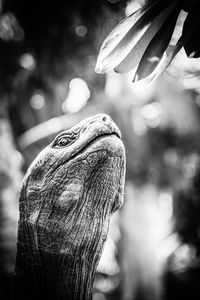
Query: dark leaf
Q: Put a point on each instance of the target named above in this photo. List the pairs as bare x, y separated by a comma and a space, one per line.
133, 58
126, 35
157, 46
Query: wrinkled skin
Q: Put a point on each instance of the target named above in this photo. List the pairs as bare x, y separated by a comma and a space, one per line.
66, 201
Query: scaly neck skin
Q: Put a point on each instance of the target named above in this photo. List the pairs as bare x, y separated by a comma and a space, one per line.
46, 275
65, 208
61, 270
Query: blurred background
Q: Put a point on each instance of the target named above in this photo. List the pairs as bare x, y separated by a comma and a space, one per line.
48, 51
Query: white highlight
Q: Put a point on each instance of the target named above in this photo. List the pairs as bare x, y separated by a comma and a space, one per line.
152, 113
165, 202
78, 96
37, 101
81, 30
27, 61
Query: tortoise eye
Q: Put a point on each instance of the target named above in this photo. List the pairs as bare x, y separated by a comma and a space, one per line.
63, 141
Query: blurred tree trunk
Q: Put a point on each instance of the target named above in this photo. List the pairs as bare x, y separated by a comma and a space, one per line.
10, 181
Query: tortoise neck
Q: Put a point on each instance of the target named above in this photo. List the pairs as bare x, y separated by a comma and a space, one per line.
42, 274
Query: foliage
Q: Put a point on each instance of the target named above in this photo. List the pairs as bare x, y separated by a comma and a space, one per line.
142, 39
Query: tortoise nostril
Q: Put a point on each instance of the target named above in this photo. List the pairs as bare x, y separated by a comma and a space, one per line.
104, 119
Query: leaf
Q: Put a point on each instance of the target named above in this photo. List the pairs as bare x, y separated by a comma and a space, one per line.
134, 57
117, 34
125, 36
156, 47
171, 52
165, 61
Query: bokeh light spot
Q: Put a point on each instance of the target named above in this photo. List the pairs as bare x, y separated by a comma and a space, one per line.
152, 113
37, 101
27, 61
81, 30
99, 296
138, 123
78, 96
10, 28
165, 202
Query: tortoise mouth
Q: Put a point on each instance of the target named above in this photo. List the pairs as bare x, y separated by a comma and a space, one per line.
89, 144
95, 140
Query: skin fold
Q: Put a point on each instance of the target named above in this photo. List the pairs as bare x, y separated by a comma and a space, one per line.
67, 197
